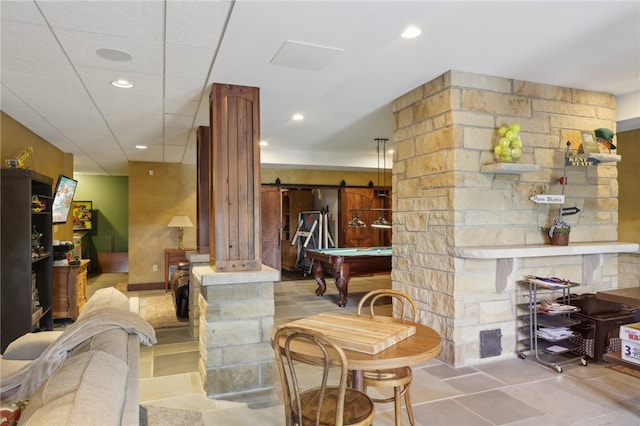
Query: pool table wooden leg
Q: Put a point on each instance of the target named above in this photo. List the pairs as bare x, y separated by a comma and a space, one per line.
318, 274
342, 280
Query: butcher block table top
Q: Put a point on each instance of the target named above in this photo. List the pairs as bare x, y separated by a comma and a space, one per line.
421, 345
357, 333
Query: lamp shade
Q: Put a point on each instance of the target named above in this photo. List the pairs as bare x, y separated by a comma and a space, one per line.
180, 222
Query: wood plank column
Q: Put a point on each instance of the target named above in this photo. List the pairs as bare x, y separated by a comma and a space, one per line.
235, 291
235, 178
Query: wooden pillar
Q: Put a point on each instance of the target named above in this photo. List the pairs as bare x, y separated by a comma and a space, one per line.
204, 188
235, 178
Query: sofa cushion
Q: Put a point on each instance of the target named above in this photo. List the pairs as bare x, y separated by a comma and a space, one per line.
10, 366
31, 345
105, 298
113, 342
88, 386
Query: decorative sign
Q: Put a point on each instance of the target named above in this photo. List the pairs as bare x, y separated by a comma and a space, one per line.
581, 161
548, 199
589, 142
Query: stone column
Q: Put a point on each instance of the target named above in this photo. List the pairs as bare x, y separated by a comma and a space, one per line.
236, 312
444, 131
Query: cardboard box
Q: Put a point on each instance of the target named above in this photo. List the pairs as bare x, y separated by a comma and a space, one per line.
630, 351
630, 332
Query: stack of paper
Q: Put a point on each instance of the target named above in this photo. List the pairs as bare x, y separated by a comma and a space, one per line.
550, 282
554, 333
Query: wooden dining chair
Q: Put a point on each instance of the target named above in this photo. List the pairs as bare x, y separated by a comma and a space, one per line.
398, 378
326, 400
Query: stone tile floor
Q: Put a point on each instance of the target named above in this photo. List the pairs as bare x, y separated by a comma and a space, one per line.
509, 392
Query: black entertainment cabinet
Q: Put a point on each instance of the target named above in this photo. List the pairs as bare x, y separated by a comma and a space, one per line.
26, 259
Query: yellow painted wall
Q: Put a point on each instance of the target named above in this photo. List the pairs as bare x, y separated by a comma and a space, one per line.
153, 200
628, 144
46, 159
171, 190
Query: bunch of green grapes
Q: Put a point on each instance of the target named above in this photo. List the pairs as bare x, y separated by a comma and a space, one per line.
509, 147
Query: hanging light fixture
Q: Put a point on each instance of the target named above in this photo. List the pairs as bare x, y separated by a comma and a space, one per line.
381, 221
356, 222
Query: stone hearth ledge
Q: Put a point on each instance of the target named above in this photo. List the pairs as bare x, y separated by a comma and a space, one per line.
507, 256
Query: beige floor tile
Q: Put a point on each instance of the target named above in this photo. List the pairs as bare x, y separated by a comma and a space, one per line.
505, 392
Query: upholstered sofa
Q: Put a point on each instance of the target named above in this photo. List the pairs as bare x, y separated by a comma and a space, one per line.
87, 374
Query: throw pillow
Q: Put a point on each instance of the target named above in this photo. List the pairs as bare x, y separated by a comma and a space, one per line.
10, 413
105, 298
31, 345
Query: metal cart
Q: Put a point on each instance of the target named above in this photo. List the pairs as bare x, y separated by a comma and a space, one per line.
546, 329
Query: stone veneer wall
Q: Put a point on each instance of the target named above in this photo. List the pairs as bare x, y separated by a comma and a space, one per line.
444, 130
629, 270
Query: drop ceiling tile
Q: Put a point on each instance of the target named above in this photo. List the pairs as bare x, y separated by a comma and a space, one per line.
136, 19
129, 135
144, 85
21, 11
178, 121
39, 44
189, 62
177, 137
147, 55
196, 23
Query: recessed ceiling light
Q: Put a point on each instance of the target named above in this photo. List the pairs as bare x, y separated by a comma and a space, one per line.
297, 117
411, 32
113, 55
263, 143
141, 147
122, 83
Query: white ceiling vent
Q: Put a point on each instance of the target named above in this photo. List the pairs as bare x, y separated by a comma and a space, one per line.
305, 56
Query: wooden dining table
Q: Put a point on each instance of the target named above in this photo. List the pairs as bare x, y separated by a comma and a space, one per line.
399, 349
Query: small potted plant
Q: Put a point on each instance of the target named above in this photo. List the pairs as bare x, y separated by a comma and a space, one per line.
559, 232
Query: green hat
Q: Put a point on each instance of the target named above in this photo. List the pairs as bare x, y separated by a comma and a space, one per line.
607, 134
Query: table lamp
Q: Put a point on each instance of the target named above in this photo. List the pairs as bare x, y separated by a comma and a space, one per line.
180, 222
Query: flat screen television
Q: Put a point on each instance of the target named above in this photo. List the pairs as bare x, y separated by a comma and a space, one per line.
63, 198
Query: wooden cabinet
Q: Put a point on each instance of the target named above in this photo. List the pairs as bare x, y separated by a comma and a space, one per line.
171, 259
26, 261
69, 289
294, 201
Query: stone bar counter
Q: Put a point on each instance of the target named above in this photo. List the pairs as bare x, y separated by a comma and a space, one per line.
507, 256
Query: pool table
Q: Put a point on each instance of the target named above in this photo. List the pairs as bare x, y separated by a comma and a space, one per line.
345, 263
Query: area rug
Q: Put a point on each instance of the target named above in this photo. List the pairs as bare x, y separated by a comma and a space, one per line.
121, 286
151, 415
160, 312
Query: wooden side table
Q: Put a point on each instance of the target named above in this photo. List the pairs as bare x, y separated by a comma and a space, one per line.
69, 289
173, 256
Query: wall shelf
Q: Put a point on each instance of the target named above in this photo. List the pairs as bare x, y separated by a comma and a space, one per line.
507, 256
509, 168
591, 159
544, 250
